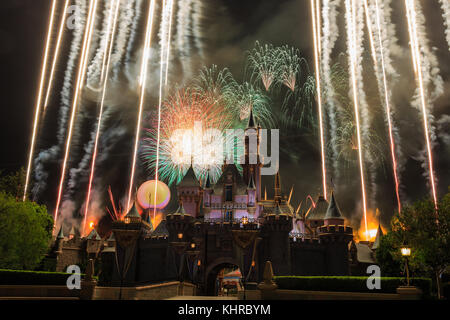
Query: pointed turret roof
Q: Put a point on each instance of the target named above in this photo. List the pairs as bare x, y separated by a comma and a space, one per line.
60, 233
72, 231
319, 211
333, 210
93, 235
180, 210
133, 212
161, 229
189, 179
241, 186
208, 182
251, 183
111, 237
251, 119
376, 243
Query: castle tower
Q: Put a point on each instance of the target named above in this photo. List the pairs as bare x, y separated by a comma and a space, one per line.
252, 165
335, 237
276, 229
190, 193
126, 233
180, 227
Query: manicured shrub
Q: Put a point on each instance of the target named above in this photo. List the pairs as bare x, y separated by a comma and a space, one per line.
347, 284
20, 277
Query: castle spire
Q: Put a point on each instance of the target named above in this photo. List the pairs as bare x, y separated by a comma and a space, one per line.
251, 119
333, 210
251, 183
208, 182
376, 243
60, 233
277, 189
189, 179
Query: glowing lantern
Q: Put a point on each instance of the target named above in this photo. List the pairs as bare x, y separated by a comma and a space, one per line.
406, 252
180, 236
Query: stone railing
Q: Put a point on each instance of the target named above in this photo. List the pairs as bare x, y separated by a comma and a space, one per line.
222, 220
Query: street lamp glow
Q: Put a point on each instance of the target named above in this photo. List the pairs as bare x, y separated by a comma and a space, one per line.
406, 252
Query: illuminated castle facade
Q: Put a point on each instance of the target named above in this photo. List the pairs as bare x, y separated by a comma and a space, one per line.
224, 225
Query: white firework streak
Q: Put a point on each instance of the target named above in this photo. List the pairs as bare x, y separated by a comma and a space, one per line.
382, 61
83, 166
45, 156
197, 16
445, 4
183, 35
164, 33
132, 38
432, 81
95, 68
364, 106
330, 35
125, 21
390, 46
66, 93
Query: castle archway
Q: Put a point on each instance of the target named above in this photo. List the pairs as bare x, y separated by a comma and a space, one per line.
215, 282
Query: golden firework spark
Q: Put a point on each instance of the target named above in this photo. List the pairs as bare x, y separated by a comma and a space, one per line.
351, 17
316, 34
57, 50
81, 72
39, 100
388, 108
411, 12
143, 79
108, 52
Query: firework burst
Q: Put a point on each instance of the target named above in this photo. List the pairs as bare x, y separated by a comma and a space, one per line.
241, 98
290, 63
188, 119
263, 64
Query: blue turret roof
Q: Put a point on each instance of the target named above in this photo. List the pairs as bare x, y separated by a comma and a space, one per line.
333, 210
189, 179
60, 233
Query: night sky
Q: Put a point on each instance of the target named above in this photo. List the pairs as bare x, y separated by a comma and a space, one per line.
233, 28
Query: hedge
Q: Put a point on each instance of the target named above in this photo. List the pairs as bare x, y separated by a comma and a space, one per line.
347, 284
22, 277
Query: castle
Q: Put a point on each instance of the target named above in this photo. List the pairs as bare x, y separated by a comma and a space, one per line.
228, 224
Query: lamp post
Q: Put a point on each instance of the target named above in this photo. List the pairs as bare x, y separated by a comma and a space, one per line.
406, 252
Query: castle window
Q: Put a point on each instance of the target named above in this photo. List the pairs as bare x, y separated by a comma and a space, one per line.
228, 193
229, 216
